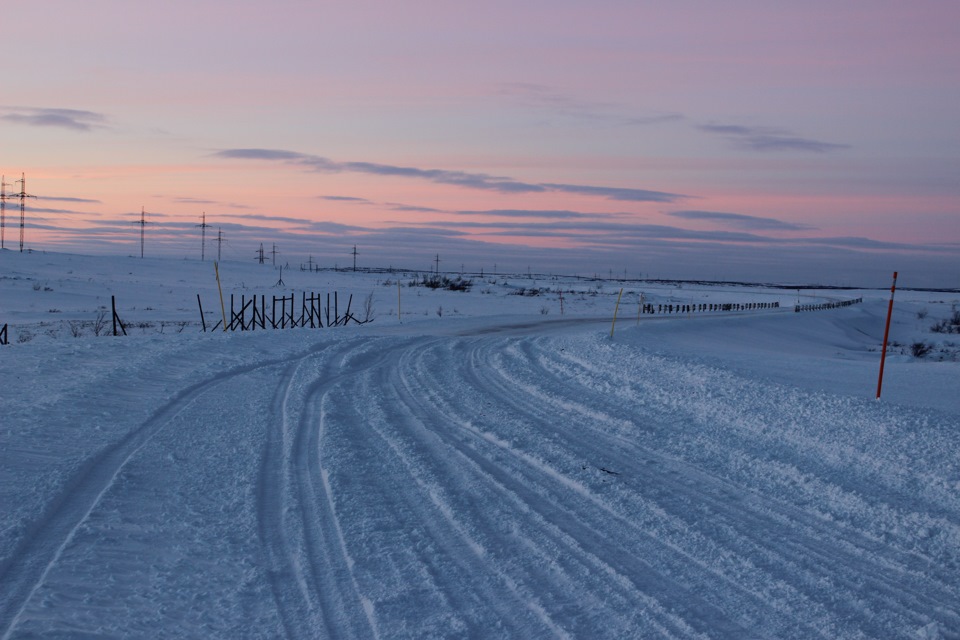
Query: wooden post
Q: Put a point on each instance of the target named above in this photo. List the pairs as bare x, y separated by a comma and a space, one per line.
116, 318
223, 311
886, 334
199, 304
615, 309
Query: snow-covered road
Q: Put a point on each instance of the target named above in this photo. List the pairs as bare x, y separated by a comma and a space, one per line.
494, 481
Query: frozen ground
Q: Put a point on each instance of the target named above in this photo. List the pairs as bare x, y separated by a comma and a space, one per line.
487, 467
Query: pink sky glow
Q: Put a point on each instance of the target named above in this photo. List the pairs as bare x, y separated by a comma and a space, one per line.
796, 141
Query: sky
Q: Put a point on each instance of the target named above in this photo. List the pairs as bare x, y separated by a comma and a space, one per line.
800, 142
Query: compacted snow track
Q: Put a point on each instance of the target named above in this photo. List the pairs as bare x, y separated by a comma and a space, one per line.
499, 484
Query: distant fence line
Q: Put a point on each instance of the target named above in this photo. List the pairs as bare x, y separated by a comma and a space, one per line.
667, 309
282, 312
826, 305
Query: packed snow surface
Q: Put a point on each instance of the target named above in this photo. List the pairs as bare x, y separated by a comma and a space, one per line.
470, 464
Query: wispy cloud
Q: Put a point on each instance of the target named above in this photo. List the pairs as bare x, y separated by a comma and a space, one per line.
769, 139
396, 206
194, 201
616, 193
35, 209
68, 199
601, 233
203, 201
741, 221
543, 97
345, 199
464, 179
299, 224
535, 213
74, 119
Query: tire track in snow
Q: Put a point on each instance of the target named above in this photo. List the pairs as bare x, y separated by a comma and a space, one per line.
906, 584
599, 547
782, 537
309, 569
26, 568
455, 567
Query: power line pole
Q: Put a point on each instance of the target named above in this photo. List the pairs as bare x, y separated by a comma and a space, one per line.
219, 242
354, 257
3, 208
23, 195
437, 260
203, 236
274, 252
143, 223
260, 253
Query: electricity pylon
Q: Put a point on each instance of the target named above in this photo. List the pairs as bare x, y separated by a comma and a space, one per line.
203, 236
23, 195
143, 223
3, 209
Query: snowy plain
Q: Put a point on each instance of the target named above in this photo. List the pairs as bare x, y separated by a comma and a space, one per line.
471, 463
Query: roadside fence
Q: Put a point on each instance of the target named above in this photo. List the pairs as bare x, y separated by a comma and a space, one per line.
826, 305
249, 314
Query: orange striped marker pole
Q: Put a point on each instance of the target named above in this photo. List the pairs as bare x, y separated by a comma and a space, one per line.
886, 334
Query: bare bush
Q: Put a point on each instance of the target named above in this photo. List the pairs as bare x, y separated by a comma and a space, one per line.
920, 349
368, 314
100, 323
948, 325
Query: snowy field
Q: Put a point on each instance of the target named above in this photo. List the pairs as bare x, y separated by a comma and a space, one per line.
471, 463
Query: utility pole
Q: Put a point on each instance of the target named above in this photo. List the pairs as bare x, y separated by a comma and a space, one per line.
3, 208
203, 236
23, 195
143, 223
260, 254
437, 260
219, 242
354, 257
310, 264
274, 252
